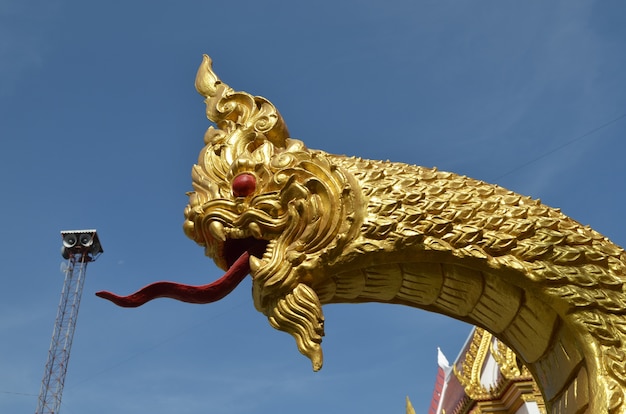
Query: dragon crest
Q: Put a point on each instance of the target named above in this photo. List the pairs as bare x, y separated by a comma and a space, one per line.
313, 228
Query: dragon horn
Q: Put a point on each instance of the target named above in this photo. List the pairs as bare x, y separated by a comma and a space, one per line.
233, 111
206, 80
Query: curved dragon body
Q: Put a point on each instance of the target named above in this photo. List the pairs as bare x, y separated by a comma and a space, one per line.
317, 228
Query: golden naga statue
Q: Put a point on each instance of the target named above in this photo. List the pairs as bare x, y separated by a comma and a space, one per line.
313, 228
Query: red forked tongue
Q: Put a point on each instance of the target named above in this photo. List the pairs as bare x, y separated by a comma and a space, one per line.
192, 294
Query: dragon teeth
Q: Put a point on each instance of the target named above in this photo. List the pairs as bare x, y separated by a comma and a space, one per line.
269, 250
217, 230
255, 230
255, 263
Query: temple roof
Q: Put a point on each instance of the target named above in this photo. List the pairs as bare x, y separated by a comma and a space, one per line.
486, 373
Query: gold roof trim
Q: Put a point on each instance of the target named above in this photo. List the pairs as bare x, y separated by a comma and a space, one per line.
473, 364
513, 388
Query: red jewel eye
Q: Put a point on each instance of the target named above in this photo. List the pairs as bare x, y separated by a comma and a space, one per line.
244, 185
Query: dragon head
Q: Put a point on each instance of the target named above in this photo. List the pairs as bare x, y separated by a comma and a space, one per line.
265, 205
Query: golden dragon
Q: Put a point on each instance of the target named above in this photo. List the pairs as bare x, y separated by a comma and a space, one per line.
312, 228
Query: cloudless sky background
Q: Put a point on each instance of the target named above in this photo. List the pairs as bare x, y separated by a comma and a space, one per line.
100, 125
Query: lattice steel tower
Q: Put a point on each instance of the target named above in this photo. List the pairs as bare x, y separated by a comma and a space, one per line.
80, 247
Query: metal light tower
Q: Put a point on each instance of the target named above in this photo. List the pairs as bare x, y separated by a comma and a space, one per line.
79, 248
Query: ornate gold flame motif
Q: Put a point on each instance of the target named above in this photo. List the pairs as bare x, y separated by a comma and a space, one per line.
343, 229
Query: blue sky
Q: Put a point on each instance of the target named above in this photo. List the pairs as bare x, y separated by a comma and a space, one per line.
100, 125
